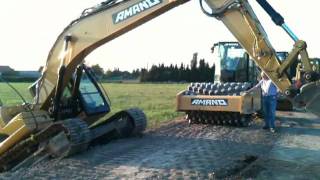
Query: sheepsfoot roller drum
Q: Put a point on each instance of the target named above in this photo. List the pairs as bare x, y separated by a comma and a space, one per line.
219, 103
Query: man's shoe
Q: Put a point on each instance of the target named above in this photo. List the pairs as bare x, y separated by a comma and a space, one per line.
272, 130
265, 127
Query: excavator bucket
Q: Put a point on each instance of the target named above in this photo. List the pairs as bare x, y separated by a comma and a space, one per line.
314, 105
310, 97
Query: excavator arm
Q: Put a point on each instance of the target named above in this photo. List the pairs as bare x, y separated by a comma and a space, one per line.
112, 18
241, 20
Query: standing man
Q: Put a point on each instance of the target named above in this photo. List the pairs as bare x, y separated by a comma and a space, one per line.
269, 101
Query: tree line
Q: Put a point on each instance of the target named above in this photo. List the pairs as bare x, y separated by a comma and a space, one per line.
197, 70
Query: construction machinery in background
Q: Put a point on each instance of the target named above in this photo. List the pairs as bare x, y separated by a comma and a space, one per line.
235, 73
233, 64
69, 109
316, 65
224, 102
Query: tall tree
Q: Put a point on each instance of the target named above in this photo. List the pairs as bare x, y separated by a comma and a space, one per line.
194, 61
99, 72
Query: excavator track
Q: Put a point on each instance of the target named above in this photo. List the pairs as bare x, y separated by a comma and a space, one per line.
76, 131
78, 134
122, 124
71, 136
27, 147
139, 119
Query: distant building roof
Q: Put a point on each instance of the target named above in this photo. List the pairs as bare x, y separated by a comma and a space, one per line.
4, 69
29, 74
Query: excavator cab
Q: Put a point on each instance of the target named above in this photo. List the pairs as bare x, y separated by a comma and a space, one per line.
91, 95
83, 95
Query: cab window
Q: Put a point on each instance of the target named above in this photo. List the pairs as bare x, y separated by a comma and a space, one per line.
91, 97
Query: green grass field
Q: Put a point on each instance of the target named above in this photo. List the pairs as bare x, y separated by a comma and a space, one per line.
156, 100
9, 97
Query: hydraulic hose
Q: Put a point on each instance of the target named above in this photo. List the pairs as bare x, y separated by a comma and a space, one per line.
275, 16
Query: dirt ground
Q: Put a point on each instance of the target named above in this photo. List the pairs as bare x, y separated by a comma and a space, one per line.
177, 151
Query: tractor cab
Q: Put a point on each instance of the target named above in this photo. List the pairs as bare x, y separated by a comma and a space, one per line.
232, 63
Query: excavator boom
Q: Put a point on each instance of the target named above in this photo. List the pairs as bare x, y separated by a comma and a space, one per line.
95, 27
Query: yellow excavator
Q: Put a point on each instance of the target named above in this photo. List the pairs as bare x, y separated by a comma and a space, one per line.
69, 105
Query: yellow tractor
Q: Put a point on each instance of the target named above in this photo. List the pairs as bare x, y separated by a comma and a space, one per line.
69, 108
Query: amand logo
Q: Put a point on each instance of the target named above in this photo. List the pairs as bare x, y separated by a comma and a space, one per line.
134, 9
209, 102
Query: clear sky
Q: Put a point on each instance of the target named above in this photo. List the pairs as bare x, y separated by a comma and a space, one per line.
30, 27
